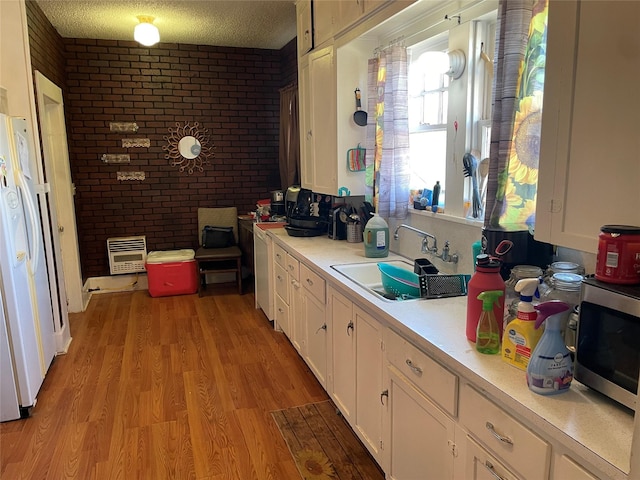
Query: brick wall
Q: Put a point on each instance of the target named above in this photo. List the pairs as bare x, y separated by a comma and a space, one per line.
231, 92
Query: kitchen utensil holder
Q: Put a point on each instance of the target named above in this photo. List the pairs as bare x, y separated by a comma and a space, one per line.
354, 232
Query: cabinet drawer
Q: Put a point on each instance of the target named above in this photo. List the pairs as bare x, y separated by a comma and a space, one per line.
280, 255
435, 381
281, 282
527, 454
293, 267
313, 283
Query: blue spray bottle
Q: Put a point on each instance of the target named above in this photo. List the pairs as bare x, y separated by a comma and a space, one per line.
550, 369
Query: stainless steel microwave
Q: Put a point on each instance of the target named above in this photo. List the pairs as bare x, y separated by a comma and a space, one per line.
608, 340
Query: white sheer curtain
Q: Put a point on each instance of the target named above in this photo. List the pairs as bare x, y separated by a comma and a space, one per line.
388, 133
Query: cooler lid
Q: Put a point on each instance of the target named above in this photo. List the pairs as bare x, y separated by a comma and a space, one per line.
168, 256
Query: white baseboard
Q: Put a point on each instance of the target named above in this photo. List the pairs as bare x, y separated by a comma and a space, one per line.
113, 283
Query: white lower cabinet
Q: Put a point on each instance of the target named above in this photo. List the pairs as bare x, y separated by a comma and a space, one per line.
481, 465
317, 328
565, 468
513, 444
419, 436
357, 360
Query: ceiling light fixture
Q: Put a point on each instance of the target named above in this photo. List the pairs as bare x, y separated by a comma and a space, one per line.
146, 32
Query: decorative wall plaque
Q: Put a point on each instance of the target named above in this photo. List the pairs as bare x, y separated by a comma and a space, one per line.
136, 142
123, 126
131, 176
116, 158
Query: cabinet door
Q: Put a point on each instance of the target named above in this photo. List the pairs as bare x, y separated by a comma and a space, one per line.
369, 382
481, 465
325, 18
317, 330
297, 325
343, 351
420, 437
350, 12
589, 166
566, 469
282, 316
319, 165
304, 26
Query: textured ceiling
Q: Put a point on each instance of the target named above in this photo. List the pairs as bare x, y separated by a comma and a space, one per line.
240, 23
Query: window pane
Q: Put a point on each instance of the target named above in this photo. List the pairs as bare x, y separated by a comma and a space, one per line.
428, 155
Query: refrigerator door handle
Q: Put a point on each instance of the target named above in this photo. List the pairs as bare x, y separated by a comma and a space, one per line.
32, 212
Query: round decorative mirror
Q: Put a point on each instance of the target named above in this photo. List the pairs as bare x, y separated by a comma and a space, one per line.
187, 147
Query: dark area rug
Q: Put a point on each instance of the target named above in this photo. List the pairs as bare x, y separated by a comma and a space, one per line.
323, 445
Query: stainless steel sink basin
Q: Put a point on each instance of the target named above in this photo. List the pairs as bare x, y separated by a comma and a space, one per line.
367, 275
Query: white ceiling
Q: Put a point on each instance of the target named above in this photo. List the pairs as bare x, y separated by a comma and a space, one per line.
241, 23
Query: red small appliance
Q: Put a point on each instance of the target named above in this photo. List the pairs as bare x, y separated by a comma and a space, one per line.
618, 258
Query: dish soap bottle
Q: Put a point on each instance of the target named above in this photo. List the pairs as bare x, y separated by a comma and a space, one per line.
521, 335
376, 237
488, 331
550, 370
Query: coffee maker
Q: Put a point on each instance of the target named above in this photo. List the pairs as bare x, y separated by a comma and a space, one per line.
525, 251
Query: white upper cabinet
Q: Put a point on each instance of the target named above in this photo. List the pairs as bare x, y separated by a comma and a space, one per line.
325, 20
589, 154
304, 26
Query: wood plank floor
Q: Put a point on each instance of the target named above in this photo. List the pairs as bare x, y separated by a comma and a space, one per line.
163, 388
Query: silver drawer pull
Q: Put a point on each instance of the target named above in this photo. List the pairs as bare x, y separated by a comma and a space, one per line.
309, 282
489, 466
290, 267
349, 328
323, 327
416, 369
491, 428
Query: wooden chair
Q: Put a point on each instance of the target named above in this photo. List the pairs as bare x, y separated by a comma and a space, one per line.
218, 260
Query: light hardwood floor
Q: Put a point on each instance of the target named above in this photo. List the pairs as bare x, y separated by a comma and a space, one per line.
163, 388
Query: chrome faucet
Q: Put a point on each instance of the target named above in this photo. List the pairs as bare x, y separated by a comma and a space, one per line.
445, 256
425, 238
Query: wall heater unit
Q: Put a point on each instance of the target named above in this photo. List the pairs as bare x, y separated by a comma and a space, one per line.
127, 254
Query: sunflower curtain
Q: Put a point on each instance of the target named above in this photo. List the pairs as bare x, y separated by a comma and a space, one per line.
387, 177
521, 41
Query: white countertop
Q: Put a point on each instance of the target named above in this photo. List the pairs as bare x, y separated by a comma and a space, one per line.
589, 425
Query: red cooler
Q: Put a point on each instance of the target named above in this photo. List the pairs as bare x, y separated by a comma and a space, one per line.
172, 272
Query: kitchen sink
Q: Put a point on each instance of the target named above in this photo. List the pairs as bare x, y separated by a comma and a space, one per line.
367, 275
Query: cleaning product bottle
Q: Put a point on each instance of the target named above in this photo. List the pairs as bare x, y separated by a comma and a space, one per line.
550, 369
488, 331
485, 278
521, 335
376, 237
435, 197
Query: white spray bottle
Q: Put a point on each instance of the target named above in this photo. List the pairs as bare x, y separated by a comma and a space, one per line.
550, 369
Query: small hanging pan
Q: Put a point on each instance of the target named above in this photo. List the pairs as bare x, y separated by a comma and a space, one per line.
360, 116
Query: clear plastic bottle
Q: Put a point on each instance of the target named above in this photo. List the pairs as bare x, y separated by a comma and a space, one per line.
488, 330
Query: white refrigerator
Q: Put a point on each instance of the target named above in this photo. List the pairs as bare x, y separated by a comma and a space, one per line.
27, 343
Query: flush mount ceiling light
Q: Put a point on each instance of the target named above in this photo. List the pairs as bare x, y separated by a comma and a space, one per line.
146, 32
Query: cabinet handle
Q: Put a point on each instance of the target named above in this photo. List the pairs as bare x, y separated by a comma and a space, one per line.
385, 393
489, 466
491, 428
349, 327
309, 282
323, 327
290, 267
278, 255
417, 370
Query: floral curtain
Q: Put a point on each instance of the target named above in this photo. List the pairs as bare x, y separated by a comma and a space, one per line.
521, 40
388, 175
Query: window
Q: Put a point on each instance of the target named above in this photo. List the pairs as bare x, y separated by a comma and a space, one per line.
448, 118
428, 105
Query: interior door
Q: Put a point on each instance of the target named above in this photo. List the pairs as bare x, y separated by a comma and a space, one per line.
58, 176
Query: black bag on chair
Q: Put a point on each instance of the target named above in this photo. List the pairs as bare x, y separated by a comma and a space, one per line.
217, 237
